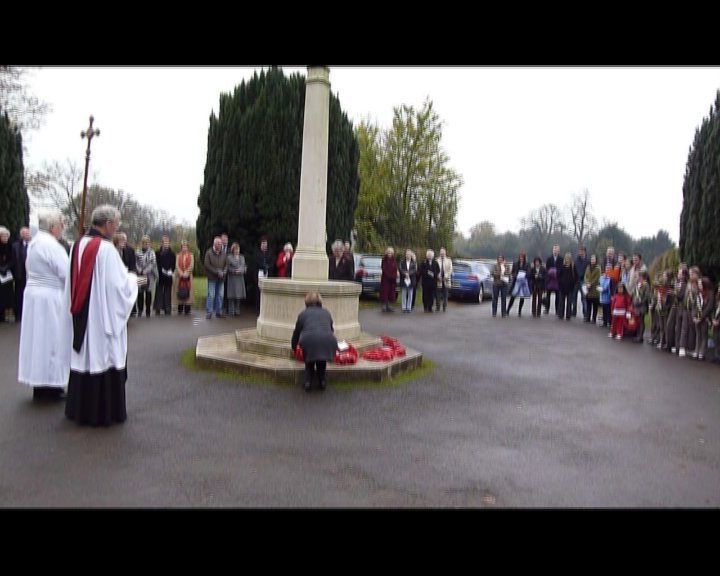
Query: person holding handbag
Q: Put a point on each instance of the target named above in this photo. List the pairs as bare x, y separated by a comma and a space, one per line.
592, 280
146, 267
184, 270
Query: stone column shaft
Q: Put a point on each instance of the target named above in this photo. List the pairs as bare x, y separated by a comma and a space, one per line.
310, 261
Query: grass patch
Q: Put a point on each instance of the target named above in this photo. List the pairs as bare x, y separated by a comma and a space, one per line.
187, 361
425, 367
199, 286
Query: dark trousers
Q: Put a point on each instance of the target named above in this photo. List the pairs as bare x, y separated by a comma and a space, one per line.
428, 297
520, 305
310, 370
716, 338
537, 294
225, 302
658, 327
441, 296
606, 315
19, 294
701, 337
144, 298
641, 323
684, 336
163, 297
592, 309
502, 291
564, 308
557, 303
670, 339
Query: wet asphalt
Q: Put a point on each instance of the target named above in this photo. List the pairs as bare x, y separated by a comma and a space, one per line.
516, 412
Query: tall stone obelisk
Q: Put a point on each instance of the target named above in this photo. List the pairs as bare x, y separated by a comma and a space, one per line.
310, 261
282, 299
266, 348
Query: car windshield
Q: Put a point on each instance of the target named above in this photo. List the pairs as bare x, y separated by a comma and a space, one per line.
459, 268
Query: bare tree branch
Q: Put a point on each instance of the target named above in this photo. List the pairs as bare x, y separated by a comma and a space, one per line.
24, 109
582, 219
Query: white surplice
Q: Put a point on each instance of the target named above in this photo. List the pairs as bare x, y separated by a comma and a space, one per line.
112, 296
45, 332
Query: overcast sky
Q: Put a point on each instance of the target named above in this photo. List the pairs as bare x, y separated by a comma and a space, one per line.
519, 137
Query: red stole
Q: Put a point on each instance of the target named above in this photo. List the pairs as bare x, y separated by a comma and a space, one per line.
80, 279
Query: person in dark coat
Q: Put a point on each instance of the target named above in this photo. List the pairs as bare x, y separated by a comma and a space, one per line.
127, 254
552, 269
263, 262
566, 281
429, 270
536, 282
340, 266
314, 333
388, 279
166, 260
19, 249
7, 295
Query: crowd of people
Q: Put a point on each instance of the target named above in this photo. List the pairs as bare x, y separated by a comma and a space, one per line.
432, 274
683, 305
74, 304
615, 293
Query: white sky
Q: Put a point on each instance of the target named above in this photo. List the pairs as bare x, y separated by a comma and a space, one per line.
519, 137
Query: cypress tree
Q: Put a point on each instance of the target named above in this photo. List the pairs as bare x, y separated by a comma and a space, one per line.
699, 240
14, 201
252, 171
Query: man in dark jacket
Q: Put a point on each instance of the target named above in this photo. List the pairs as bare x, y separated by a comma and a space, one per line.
552, 268
166, 268
127, 253
314, 333
581, 263
263, 261
19, 253
215, 263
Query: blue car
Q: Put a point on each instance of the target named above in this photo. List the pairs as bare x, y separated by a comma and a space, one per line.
470, 280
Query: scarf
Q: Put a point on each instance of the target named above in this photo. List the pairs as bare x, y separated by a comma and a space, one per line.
81, 284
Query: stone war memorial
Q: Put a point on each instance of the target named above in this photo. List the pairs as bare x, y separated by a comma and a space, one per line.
265, 349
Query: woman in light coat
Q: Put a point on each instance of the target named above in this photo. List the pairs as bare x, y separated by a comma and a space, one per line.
146, 264
235, 279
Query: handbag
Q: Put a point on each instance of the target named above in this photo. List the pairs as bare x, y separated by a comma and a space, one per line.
183, 293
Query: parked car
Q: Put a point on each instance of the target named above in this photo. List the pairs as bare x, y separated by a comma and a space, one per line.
368, 272
470, 279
